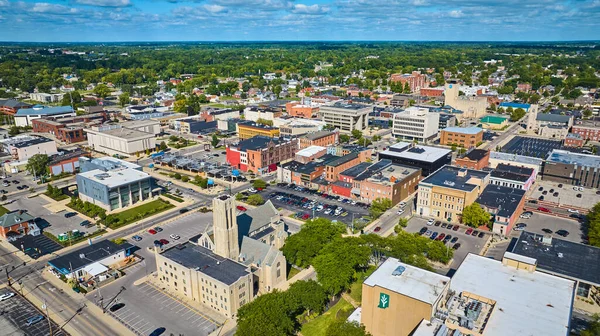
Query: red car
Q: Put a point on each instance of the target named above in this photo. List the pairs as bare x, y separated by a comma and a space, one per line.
542, 209
164, 241
441, 236
469, 231
305, 216
241, 208
152, 231
377, 229
455, 228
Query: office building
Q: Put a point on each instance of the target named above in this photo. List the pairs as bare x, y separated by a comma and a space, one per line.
247, 130
513, 176
485, 297
25, 116
302, 110
46, 97
467, 137
444, 194
253, 113
474, 159
112, 183
261, 154
311, 153
565, 259
22, 147
446, 120
587, 129
574, 140
66, 161
505, 204
11, 106
415, 80
428, 158
347, 117
572, 168
294, 127
471, 106
127, 138
497, 158
321, 138
416, 123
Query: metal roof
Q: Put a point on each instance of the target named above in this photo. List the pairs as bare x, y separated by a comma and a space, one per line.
44, 110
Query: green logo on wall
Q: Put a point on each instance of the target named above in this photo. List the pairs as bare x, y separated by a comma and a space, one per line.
384, 301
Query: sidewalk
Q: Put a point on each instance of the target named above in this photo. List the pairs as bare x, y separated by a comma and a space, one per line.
300, 276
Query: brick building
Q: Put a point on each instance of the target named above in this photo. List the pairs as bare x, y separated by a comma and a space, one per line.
474, 159
334, 168
588, 130
297, 109
574, 140
462, 136
321, 138
415, 80
261, 154
11, 106
249, 130
432, 92
17, 223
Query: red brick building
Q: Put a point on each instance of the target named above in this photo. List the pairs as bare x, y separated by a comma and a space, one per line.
416, 81
321, 138
475, 159
588, 130
11, 106
296, 109
574, 140
261, 154
16, 223
67, 134
432, 92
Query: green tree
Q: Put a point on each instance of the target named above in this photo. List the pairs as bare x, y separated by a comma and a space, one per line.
309, 296
587, 113
593, 219
255, 199
517, 114
379, 206
163, 146
474, 215
215, 140
593, 328
259, 184
344, 138
356, 134
302, 247
102, 91
345, 328
71, 99
124, 99
13, 130
268, 314
36, 165
180, 106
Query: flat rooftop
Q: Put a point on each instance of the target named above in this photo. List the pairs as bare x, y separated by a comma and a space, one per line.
580, 159
527, 303
416, 152
86, 255
310, 151
116, 177
344, 159
504, 199
318, 135
560, 257
205, 261
516, 158
476, 154
26, 142
127, 133
448, 177
408, 280
463, 130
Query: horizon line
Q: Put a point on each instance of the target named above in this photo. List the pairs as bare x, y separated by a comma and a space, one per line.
314, 41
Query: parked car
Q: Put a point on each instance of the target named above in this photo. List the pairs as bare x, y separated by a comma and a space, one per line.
241, 208
447, 238
428, 233
434, 235
34, 319
481, 235
85, 223
520, 227
152, 231
184, 210
474, 233
444, 225
400, 212
455, 228
563, 233
116, 307
440, 236
158, 229
573, 211
252, 190
437, 223
377, 229
423, 230
469, 231
526, 215
548, 231
454, 240
430, 221
136, 238
6, 296
158, 331
542, 209
402, 204
456, 246
164, 241
70, 214
578, 195
174, 236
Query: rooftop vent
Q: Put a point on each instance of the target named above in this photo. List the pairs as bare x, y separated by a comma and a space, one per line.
398, 271
559, 254
81, 255
449, 183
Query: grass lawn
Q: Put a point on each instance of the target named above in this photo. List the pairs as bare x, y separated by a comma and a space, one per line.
356, 287
318, 326
292, 271
3, 210
139, 212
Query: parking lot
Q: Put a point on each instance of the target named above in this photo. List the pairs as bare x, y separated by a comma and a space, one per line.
186, 227
468, 243
55, 223
564, 194
10, 183
535, 147
15, 312
538, 222
299, 202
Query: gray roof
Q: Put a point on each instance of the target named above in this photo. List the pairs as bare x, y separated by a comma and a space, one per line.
552, 117
318, 135
205, 261
580, 159
504, 199
14, 217
448, 177
86, 255
256, 218
516, 158
253, 251
576, 260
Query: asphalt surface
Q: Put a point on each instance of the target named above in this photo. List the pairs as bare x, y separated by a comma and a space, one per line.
511, 130
15, 312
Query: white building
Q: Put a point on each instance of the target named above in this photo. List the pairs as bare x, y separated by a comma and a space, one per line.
416, 123
120, 141
46, 97
21, 148
346, 116
24, 116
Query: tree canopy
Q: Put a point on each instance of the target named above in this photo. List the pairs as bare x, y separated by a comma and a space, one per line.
474, 215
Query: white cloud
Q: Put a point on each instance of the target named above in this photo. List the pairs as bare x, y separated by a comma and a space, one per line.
215, 8
309, 10
456, 13
104, 3
48, 8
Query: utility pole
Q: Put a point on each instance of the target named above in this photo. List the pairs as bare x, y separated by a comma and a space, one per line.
48, 317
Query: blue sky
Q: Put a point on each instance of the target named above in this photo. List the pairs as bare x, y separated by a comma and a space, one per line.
241, 20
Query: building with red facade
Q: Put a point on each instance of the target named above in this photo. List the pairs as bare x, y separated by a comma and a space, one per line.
321, 138
416, 81
432, 92
11, 106
587, 129
70, 129
474, 159
261, 154
574, 140
297, 109
17, 223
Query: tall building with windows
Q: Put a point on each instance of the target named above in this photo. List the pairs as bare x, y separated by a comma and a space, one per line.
416, 123
346, 116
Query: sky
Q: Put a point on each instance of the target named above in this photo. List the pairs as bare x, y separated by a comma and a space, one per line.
284, 20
